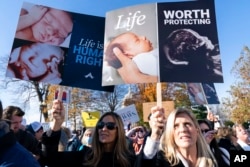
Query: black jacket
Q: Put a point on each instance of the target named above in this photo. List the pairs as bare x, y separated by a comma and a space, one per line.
53, 158
28, 141
159, 161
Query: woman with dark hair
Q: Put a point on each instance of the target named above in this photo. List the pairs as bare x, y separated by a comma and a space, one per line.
221, 154
109, 143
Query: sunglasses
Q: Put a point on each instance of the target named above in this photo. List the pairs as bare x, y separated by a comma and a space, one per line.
109, 125
204, 130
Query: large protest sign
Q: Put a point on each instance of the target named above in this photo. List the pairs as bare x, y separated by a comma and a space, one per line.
173, 41
58, 47
189, 42
123, 28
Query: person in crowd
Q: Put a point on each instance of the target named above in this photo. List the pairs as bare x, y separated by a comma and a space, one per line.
242, 138
213, 120
226, 139
36, 129
181, 143
87, 138
77, 132
137, 135
64, 138
157, 123
221, 154
41, 24
15, 115
109, 143
74, 142
217, 122
37, 62
11, 152
138, 48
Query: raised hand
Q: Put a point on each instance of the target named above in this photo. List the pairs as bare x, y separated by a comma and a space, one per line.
157, 122
58, 114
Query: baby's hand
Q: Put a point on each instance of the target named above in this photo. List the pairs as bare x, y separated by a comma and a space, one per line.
53, 75
53, 67
36, 12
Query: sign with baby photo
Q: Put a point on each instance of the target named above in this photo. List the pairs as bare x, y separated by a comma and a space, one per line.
202, 93
58, 47
162, 42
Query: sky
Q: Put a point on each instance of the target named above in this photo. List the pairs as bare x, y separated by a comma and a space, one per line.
233, 25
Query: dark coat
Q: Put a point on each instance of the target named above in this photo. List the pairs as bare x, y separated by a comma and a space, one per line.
159, 161
28, 140
53, 158
14, 154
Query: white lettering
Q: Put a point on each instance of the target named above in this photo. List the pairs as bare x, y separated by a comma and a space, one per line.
130, 21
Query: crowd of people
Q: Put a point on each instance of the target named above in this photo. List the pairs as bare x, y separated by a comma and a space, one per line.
178, 140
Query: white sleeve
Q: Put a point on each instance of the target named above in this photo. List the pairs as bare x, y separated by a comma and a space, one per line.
150, 149
225, 155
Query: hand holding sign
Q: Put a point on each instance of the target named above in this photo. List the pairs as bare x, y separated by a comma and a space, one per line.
58, 114
157, 118
157, 122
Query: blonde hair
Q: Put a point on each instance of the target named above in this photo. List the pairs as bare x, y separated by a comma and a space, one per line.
205, 157
121, 148
224, 132
83, 136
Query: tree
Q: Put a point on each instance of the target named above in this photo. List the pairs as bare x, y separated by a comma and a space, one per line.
238, 103
26, 92
147, 93
110, 101
200, 111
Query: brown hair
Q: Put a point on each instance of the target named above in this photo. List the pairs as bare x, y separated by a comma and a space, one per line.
12, 110
121, 148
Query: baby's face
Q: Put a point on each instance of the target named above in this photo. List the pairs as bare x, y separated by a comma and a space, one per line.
134, 44
37, 59
53, 28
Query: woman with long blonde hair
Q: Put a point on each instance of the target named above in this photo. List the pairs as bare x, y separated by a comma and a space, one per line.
181, 143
